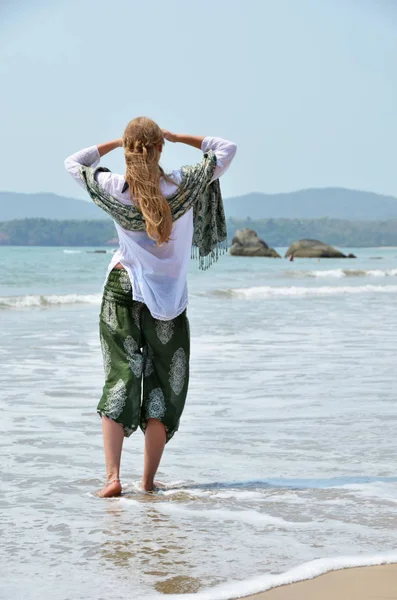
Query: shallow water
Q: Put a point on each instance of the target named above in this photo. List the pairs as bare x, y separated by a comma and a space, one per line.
286, 451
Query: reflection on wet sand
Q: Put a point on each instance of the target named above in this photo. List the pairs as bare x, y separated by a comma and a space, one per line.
148, 552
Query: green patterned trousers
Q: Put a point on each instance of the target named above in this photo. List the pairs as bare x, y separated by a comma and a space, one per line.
146, 360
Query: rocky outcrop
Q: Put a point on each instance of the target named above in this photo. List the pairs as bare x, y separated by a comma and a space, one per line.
247, 243
314, 249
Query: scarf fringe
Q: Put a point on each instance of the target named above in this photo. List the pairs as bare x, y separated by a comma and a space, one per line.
213, 256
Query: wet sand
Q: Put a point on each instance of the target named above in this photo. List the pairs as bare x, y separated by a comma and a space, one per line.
367, 583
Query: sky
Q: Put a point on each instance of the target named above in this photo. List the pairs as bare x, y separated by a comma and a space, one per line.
306, 88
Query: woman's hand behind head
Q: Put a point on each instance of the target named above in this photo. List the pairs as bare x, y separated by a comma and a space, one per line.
170, 137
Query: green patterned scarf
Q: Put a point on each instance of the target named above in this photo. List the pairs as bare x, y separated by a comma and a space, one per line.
195, 191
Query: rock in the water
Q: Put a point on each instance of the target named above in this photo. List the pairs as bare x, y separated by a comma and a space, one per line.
247, 243
314, 249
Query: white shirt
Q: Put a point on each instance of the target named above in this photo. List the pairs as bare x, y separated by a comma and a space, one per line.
158, 274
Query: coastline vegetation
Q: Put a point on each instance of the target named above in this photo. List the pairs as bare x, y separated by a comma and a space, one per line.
275, 232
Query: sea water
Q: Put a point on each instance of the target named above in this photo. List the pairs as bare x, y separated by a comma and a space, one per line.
285, 464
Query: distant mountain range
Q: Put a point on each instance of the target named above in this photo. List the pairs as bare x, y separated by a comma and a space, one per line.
48, 206
335, 203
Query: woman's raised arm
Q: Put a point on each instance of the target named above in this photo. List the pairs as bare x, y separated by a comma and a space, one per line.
224, 150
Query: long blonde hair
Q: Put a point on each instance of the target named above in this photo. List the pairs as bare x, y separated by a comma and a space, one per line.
143, 141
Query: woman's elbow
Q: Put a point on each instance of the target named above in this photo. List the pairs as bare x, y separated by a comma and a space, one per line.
68, 164
232, 149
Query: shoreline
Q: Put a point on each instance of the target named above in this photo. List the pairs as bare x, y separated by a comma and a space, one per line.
346, 574
362, 583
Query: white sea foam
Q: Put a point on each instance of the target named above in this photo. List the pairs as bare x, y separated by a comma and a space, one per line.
241, 495
42, 301
308, 570
72, 251
300, 291
379, 490
336, 273
249, 517
340, 273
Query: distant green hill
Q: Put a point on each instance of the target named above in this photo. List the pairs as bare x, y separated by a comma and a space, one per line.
336, 203
48, 232
46, 206
344, 233
276, 232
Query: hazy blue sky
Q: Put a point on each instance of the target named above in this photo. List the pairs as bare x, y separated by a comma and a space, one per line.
307, 88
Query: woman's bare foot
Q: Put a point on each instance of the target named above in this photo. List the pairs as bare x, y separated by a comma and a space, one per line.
110, 490
152, 487
159, 486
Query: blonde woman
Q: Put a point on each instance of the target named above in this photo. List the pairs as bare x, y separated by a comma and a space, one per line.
144, 329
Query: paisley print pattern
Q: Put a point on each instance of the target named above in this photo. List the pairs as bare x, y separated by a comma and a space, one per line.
178, 371
136, 312
109, 315
116, 399
130, 345
107, 361
134, 357
125, 281
155, 407
146, 369
109, 296
164, 330
149, 366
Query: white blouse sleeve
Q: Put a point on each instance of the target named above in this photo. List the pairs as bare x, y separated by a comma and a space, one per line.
110, 182
224, 151
89, 157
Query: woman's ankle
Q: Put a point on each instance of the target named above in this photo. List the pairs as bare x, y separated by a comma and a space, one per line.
111, 489
147, 484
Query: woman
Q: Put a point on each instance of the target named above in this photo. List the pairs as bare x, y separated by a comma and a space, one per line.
144, 329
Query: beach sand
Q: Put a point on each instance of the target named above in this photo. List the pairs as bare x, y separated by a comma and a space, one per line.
367, 583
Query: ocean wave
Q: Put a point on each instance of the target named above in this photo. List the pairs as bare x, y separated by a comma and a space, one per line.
340, 273
300, 291
249, 517
308, 570
43, 301
72, 251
